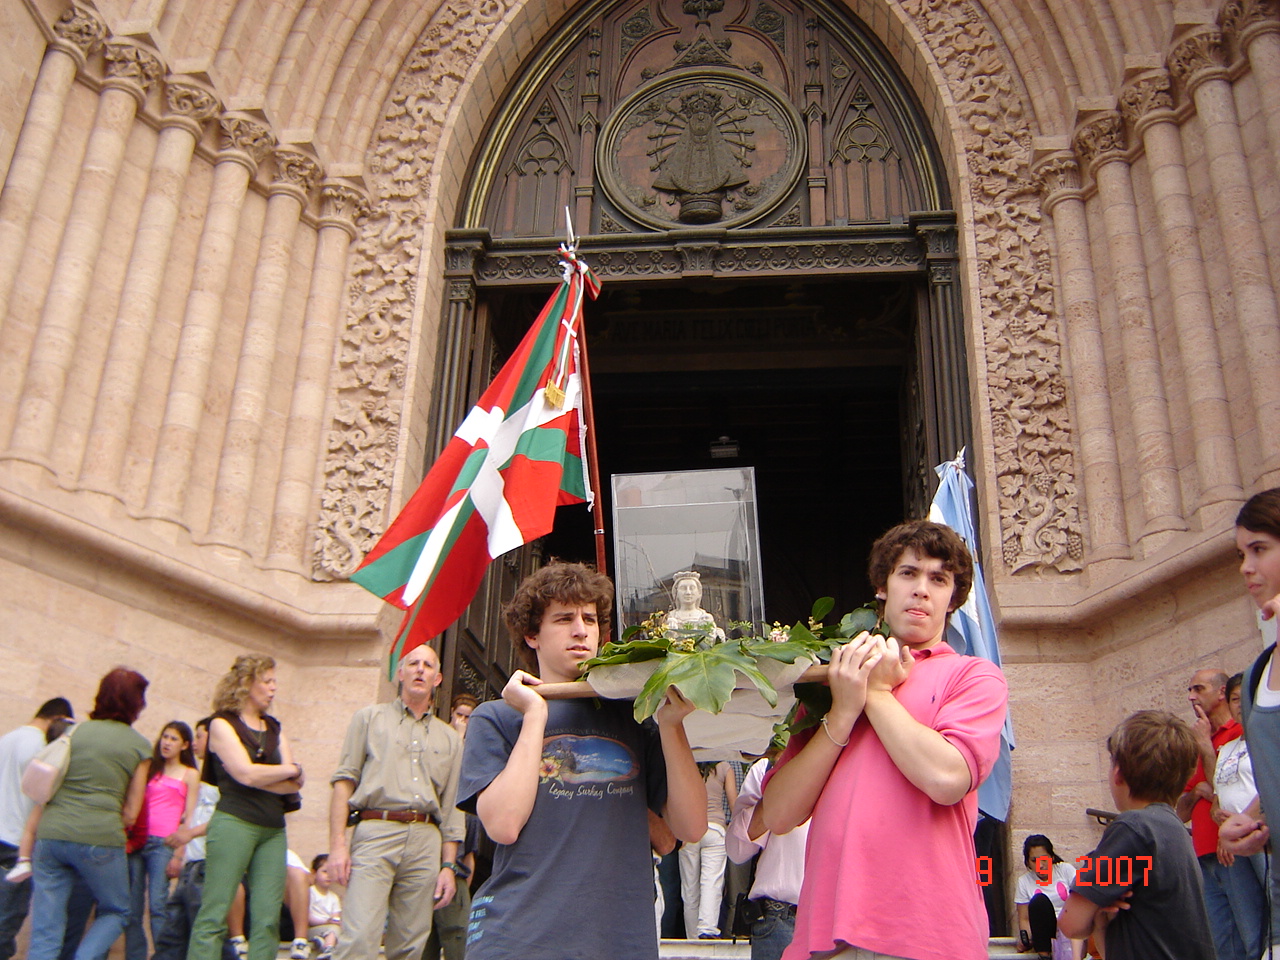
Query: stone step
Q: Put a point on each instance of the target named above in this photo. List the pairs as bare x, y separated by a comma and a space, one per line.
998, 948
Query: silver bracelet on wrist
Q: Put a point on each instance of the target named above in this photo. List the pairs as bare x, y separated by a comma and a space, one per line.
827, 731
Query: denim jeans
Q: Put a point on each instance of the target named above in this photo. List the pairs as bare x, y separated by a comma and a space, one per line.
148, 890
1237, 908
56, 865
15, 901
772, 933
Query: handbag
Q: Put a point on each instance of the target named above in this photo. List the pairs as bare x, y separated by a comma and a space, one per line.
43, 775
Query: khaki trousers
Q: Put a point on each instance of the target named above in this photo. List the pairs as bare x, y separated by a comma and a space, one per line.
394, 868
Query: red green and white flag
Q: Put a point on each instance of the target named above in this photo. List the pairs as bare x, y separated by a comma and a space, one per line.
515, 458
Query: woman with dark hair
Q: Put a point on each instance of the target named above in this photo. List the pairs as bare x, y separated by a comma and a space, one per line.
1246, 833
1039, 896
173, 784
82, 830
250, 763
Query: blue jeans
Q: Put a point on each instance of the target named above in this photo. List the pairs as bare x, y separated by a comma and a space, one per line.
148, 889
1237, 908
772, 934
56, 865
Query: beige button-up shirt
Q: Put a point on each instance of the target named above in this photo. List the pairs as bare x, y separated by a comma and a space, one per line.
398, 762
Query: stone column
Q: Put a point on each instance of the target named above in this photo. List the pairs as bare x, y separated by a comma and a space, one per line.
944, 363
78, 33
1197, 66
1059, 178
1253, 28
1099, 142
246, 142
296, 175
341, 205
131, 70
189, 104
1147, 104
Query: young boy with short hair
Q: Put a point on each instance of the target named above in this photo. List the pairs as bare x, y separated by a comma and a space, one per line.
1140, 890
564, 788
891, 775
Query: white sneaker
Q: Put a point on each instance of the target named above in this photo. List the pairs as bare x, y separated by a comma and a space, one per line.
301, 949
19, 871
240, 945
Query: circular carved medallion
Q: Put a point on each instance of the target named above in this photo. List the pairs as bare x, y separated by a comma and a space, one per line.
704, 148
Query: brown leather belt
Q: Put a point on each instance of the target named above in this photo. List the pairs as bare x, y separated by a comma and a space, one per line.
400, 816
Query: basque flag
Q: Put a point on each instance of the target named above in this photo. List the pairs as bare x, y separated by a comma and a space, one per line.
515, 458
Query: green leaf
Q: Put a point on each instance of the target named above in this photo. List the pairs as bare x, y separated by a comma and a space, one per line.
633, 651
705, 677
788, 651
816, 699
821, 607
856, 621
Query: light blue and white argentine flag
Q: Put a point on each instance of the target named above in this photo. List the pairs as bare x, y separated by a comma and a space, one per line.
972, 630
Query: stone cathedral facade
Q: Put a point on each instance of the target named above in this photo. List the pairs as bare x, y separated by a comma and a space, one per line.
254, 257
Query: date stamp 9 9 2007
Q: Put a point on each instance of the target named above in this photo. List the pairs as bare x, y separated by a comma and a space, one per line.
1102, 871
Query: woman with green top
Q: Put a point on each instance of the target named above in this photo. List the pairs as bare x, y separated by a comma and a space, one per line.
250, 763
82, 830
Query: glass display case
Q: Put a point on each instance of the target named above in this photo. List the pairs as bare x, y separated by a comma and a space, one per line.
699, 522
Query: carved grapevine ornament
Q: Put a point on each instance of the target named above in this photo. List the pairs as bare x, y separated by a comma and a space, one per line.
363, 437
1031, 423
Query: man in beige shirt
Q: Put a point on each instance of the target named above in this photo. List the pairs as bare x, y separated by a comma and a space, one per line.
397, 779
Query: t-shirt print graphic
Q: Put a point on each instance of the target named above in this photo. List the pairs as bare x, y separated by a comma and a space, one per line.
587, 766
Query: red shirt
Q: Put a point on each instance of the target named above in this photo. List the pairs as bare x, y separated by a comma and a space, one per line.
1204, 832
886, 868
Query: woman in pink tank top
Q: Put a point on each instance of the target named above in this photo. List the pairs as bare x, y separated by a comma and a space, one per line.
172, 789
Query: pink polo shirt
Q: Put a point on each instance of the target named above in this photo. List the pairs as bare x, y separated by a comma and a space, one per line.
886, 868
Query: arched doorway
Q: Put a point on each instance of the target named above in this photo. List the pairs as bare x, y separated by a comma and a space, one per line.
761, 197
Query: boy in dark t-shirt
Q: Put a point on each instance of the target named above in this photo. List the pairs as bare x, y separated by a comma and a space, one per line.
563, 787
1140, 891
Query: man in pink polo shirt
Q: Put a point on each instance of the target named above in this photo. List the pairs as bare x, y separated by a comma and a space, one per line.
890, 777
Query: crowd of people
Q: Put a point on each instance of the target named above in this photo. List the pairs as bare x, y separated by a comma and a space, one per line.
493, 834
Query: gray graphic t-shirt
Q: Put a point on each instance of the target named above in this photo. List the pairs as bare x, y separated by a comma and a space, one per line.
578, 883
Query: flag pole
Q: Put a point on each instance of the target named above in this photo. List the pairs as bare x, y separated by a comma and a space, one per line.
589, 414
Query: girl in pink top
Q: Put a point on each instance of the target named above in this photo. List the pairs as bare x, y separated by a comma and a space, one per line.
173, 785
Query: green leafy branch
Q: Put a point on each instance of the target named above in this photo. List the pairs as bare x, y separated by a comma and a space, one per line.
704, 668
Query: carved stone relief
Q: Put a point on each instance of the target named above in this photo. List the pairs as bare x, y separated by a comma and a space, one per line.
363, 437
711, 148
1031, 423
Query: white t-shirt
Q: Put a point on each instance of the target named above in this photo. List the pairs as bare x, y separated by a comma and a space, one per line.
1233, 776
325, 908
17, 747
1028, 885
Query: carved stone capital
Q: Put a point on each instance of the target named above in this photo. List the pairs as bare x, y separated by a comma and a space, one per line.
342, 206
1198, 57
1058, 177
462, 290
1148, 99
78, 33
941, 242
1100, 140
1243, 21
463, 250
132, 67
188, 104
245, 141
297, 173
